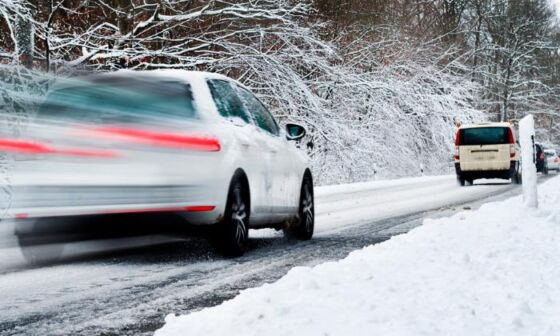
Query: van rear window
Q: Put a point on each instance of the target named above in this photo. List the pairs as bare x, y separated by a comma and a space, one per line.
484, 136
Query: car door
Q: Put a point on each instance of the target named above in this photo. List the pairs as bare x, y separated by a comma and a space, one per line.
256, 165
274, 149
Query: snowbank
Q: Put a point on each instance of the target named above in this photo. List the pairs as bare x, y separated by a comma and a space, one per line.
493, 271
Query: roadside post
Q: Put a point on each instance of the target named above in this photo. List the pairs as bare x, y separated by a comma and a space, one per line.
528, 161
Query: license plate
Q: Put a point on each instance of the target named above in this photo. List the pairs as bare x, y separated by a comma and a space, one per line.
484, 158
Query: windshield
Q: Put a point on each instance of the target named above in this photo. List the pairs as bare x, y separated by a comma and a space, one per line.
120, 100
484, 136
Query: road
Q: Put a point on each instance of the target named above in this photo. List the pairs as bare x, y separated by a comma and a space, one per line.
130, 291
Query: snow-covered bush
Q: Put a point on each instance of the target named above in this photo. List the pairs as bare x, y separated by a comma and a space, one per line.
373, 109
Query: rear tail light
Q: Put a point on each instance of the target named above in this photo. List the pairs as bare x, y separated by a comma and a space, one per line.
541, 156
457, 142
192, 142
18, 146
511, 141
457, 138
194, 208
200, 208
27, 147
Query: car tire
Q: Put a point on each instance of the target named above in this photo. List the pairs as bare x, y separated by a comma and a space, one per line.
545, 169
517, 178
233, 230
37, 244
303, 227
39, 254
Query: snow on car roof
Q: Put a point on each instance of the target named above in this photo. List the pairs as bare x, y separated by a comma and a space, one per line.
166, 74
179, 74
488, 124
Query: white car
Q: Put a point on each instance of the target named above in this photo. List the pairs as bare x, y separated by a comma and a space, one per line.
552, 159
486, 150
193, 143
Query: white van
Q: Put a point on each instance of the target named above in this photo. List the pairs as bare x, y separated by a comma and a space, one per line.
486, 150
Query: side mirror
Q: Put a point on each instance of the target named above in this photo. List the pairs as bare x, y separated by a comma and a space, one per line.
294, 132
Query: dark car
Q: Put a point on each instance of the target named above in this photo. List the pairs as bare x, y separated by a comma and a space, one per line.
542, 166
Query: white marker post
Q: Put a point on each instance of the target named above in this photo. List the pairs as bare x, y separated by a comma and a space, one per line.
528, 161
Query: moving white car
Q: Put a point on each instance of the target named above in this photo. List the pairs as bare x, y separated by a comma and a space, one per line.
193, 143
552, 159
486, 150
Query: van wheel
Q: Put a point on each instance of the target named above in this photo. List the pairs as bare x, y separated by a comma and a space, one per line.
469, 182
233, 230
461, 180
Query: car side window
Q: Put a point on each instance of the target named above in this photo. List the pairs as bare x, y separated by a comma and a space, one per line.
228, 103
262, 117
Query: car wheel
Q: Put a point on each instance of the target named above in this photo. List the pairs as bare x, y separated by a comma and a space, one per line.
517, 178
303, 228
233, 232
545, 169
38, 245
38, 254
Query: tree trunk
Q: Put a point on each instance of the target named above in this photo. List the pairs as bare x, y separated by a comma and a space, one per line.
25, 39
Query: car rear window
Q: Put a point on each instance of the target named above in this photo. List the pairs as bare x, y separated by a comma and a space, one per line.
484, 136
121, 100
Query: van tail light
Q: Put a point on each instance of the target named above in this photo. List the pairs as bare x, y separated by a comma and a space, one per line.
511, 141
457, 142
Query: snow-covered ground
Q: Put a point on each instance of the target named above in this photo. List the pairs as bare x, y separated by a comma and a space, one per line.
493, 271
343, 205
337, 208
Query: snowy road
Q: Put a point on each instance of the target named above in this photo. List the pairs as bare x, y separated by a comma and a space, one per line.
129, 292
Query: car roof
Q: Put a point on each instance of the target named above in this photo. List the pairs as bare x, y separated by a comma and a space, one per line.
162, 74
486, 124
178, 74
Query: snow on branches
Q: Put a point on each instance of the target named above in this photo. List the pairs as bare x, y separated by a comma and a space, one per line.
372, 109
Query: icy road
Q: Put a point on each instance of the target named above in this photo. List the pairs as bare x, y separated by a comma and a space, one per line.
129, 292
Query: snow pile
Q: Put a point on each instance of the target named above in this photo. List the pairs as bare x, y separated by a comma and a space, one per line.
493, 271
528, 157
